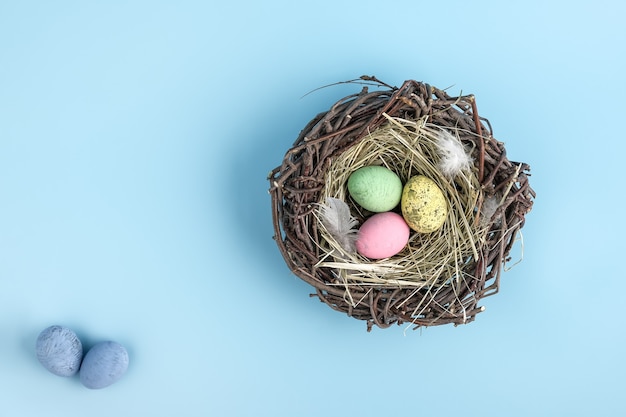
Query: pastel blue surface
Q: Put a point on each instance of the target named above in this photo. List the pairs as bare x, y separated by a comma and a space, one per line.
135, 142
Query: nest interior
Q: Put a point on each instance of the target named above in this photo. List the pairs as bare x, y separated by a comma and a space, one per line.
438, 278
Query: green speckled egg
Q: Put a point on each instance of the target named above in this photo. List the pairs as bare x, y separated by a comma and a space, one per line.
375, 188
424, 207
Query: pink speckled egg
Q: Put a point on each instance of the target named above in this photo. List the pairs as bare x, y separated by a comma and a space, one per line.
382, 235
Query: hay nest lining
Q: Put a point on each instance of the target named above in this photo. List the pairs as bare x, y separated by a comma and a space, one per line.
438, 278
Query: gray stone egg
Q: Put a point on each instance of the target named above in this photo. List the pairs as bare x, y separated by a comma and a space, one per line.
104, 364
59, 350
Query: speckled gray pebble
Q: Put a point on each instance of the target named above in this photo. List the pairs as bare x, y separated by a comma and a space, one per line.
104, 364
59, 350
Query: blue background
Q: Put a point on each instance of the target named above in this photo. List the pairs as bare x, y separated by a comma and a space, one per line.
135, 142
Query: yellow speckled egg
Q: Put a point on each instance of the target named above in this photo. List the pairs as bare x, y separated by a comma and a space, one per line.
423, 204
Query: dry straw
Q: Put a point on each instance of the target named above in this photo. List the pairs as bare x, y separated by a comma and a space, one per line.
438, 278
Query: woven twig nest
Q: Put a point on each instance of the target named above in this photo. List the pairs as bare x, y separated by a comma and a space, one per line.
439, 277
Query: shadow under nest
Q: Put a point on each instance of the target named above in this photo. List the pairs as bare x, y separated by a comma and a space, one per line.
366, 290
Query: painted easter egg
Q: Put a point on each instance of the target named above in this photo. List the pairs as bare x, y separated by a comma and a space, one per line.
59, 350
424, 207
375, 188
104, 364
382, 235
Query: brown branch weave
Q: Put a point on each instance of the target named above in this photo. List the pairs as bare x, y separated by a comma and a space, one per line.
296, 184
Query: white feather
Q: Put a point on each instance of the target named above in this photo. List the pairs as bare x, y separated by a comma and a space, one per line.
336, 217
454, 157
489, 207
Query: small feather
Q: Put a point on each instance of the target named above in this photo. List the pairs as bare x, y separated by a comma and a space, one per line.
489, 208
336, 217
454, 157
